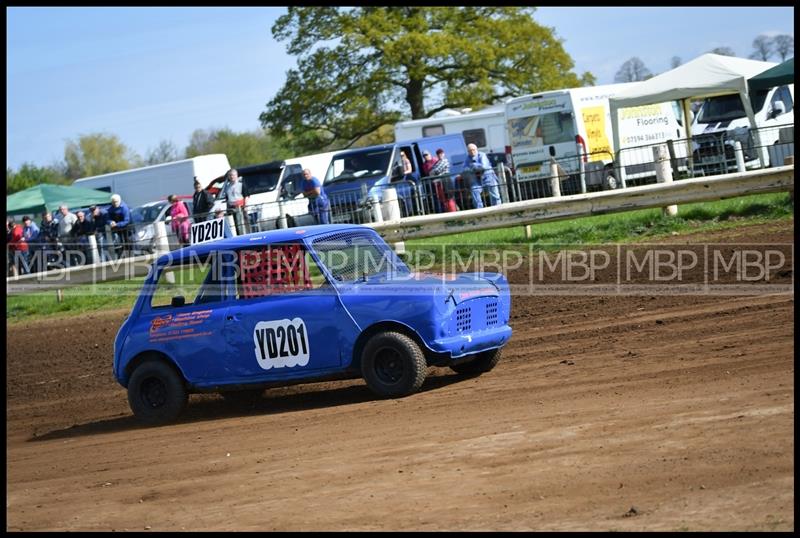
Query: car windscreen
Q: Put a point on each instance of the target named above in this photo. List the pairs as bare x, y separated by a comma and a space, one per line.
146, 214
358, 165
350, 256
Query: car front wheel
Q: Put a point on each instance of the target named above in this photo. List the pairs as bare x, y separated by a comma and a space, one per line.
393, 365
156, 392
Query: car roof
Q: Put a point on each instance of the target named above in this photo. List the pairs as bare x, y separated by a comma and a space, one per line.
272, 236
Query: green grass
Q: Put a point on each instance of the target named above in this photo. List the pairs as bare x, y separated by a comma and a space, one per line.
629, 227
633, 226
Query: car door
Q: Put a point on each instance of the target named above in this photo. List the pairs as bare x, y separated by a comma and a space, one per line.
284, 322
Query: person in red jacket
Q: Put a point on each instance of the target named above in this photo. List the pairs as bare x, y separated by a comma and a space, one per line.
17, 248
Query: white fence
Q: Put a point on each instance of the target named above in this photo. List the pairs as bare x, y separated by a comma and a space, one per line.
779, 179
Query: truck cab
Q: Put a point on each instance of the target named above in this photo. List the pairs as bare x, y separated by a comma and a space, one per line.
357, 178
721, 121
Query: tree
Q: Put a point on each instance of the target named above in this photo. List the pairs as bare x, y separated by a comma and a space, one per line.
784, 45
365, 67
632, 70
763, 48
30, 175
97, 153
242, 149
675, 62
163, 153
724, 51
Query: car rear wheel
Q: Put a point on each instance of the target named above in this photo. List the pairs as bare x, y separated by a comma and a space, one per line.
483, 362
393, 365
156, 392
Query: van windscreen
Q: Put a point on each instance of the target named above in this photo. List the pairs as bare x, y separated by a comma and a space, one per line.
358, 165
721, 108
261, 181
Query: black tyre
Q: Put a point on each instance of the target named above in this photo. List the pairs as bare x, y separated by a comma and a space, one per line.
483, 362
393, 365
610, 181
156, 392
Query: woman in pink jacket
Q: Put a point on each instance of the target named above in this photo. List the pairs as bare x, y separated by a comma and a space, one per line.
180, 219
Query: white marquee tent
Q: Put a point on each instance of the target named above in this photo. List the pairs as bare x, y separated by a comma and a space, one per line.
705, 76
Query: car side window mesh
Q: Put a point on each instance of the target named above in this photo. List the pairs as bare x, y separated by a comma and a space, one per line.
273, 270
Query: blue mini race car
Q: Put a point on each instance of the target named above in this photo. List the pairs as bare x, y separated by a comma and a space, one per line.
290, 306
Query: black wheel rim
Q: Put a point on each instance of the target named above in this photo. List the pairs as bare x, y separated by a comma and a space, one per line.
154, 392
389, 365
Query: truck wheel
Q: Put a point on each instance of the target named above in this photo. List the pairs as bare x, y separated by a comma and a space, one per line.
156, 393
610, 181
483, 362
393, 365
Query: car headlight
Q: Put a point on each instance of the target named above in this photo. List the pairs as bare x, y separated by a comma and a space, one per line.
144, 234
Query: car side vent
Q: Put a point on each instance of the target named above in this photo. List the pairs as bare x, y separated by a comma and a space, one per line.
464, 319
491, 314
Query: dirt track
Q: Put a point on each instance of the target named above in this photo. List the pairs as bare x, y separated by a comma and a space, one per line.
606, 413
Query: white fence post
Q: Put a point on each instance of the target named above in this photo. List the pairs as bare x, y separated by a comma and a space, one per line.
737, 149
93, 250
664, 173
390, 207
161, 245
555, 181
581, 168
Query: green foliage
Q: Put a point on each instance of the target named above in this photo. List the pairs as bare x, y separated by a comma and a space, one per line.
96, 154
365, 67
242, 149
30, 175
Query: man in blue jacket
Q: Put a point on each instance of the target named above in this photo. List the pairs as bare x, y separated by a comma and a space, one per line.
119, 218
318, 203
478, 175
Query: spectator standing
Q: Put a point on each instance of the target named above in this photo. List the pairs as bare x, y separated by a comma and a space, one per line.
119, 218
81, 231
318, 203
31, 234
48, 238
448, 192
479, 175
202, 200
99, 224
428, 163
234, 198
180, 219
17, 248
65, 237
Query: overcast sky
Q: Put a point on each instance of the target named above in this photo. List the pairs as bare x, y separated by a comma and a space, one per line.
152, 74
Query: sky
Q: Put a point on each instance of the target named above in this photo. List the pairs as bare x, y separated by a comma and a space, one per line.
149, 74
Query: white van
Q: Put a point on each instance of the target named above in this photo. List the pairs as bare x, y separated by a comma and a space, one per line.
138, 186
721, 121
559, 124
270, 187
486, 128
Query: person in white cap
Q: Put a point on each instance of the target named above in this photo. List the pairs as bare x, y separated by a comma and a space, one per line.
119, 218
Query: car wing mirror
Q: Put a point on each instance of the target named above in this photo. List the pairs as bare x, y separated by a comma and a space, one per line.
178, 300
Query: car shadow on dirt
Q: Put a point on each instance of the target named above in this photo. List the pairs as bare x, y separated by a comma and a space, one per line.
206, 407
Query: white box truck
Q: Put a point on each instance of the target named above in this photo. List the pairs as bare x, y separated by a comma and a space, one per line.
558, 124
138, 186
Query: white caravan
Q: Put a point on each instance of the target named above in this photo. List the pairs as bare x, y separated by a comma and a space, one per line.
721, 122
486, 128
149, 183
558, 124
